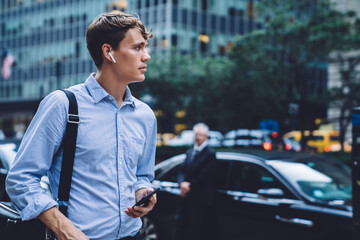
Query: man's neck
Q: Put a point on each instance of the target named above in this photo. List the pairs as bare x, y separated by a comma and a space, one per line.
201, 146
112, 85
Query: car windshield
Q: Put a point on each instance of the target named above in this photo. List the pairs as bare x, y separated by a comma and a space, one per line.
322, 180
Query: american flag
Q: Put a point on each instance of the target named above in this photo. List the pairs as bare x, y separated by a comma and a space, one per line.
7, 62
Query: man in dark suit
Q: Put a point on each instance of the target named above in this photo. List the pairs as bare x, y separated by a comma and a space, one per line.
196, 216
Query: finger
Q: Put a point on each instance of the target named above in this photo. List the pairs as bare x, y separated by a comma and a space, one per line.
153, 198
132, 213
129, 213
138, 211
148, 190
142, 211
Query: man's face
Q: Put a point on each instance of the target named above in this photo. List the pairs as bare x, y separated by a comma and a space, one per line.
131, 57
200, 136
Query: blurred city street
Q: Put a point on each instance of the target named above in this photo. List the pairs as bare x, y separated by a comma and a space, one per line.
277, 83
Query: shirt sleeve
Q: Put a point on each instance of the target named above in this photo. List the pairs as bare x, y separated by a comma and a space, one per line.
41, 142
146, 163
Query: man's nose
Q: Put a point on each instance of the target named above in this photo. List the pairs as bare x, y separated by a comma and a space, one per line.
146, 56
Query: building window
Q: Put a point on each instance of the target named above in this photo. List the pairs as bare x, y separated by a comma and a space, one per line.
204, 5
221, 50
174, 40
250, 9
163, 42
232, 12
194, 18
184, 16
203, 19
204, 40
77, 49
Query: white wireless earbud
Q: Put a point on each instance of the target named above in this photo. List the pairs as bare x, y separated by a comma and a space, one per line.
112, 58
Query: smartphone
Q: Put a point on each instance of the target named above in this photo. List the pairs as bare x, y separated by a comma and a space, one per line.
146, 199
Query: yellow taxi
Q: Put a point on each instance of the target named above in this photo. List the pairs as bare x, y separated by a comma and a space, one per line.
320, 140
162, 139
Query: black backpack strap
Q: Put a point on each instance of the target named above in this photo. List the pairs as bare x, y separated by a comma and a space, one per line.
69, 153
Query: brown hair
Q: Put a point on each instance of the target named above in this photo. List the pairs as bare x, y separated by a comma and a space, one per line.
111, 28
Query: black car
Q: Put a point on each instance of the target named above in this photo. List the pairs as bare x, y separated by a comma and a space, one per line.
265, 196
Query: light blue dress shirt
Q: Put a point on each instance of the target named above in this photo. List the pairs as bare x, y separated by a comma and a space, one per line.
115, 156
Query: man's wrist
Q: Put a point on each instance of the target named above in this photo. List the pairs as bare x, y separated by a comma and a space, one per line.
55, 220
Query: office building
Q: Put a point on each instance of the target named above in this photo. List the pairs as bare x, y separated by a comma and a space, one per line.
47, 39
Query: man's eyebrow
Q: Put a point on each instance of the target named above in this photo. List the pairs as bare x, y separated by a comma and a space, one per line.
145, 43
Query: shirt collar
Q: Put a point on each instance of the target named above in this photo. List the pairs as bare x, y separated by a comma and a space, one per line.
98, 93
201, 147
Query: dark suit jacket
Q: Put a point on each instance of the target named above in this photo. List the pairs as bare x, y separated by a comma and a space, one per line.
200, 173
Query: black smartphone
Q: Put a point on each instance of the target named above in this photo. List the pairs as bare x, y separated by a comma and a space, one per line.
146, 199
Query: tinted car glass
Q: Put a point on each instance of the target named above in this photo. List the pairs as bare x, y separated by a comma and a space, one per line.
1, 162
319, 180
334, 138
316, 138
222, 175
172, 174
249, 177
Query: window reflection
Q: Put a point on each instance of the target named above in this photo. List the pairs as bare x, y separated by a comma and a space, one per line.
320, 180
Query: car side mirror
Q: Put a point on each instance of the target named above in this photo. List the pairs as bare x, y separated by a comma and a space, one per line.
271, 192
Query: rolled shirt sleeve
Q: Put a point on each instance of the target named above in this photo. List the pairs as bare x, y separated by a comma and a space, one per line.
145, 169
114, 157
35, 155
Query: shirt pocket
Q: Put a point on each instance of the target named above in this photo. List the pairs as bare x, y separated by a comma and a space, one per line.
135, 150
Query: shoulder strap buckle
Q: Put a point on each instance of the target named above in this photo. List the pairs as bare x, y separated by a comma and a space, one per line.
73, 118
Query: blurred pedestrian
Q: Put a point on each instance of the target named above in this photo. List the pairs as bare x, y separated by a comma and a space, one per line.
196, 216
115, 149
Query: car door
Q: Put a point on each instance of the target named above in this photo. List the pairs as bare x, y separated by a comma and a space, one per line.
243, 213
3, 173
167, 198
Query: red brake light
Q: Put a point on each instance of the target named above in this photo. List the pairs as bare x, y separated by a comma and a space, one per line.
288, 147
267, 146
274, 134
327, 148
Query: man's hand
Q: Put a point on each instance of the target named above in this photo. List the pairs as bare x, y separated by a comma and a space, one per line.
61, 225
139, 211
185, 188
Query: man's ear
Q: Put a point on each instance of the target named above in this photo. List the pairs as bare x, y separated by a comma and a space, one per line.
106, 49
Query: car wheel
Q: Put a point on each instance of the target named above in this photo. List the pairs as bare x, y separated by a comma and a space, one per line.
150, 228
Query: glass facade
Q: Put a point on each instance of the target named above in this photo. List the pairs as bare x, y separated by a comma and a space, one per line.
47, 37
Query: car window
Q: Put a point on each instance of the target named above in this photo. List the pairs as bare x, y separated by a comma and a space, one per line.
1, 162
172, 174
316, 138
334, 138
249, 177
322, 179
222, 175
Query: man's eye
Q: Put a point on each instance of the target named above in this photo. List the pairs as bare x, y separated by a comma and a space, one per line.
138, 48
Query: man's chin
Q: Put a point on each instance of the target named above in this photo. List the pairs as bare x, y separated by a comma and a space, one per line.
138, 80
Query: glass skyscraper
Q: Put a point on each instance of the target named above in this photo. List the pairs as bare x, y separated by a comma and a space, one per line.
47, 37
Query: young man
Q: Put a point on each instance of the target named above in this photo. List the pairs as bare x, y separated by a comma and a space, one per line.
196, 217
115, 149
